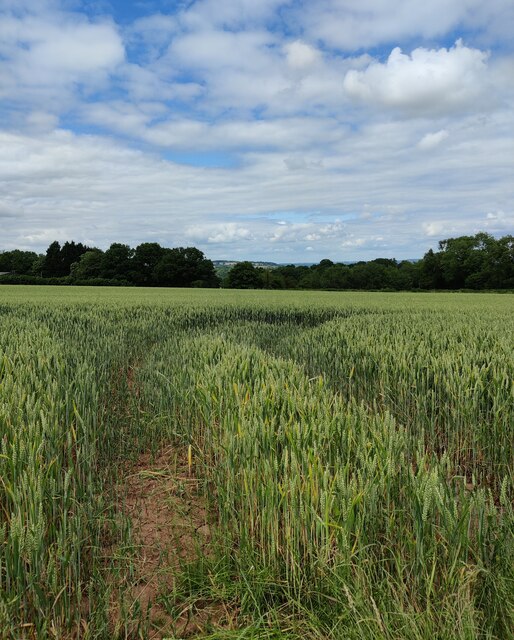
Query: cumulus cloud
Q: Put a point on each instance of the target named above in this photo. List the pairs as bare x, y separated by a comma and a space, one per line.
213, 49
75, 48
44, 58
220, 233
426, 82
300, 55
65, 44
275, 91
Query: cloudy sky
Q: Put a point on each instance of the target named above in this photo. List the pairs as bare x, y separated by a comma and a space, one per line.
286, 130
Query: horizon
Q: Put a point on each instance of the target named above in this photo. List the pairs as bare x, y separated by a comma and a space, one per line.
275, 131
276, 262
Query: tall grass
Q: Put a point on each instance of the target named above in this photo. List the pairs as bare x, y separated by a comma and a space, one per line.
357, 452
362, 469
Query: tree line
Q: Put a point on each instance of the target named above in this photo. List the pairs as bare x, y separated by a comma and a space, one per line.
147, 265
478, 262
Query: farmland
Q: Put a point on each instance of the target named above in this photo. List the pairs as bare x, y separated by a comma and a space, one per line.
325, 465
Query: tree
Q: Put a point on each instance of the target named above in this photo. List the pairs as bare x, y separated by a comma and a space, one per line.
117, 262
146, 258
368, 275
52, 266
58, 260
324, 264
88, 266
291, 275
185, 267
502, 261
38, 266
70, 253
270, 279
244, 275
16, 261
335, 277
431, 276
408, 275
459, 260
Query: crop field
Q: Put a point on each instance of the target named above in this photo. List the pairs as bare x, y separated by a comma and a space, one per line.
273, 465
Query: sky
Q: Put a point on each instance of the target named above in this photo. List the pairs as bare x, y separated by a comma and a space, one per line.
281, 130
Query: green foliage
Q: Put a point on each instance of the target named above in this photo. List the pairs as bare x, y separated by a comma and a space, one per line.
477, 262
244, 275
146, 259
185, 267
355, 449
58, 260
88, 266
19, 262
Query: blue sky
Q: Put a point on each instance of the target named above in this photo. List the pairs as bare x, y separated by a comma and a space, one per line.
277, 130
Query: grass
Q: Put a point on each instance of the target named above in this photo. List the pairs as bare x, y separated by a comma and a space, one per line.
354, 449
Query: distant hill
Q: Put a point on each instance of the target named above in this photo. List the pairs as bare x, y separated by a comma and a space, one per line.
231, 263
274, 265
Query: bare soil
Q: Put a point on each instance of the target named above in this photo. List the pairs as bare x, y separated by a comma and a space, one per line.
170, 524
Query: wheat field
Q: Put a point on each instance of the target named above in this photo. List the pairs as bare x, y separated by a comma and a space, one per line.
352, 452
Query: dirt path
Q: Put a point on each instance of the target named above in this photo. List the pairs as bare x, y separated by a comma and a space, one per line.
170, 524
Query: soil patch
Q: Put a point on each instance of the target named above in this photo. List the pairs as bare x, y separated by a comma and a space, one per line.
170, 524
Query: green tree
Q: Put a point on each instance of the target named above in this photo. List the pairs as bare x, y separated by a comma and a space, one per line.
460, 258
117, 262
52, 266
502, 261
185, 267
146, 258
244, 275
408, 275
291, 275
270, 279
38, 266
16, 261
88, 266
431, 276
70, 253
335, 277
368, 275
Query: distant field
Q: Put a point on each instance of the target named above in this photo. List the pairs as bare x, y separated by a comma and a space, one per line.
223, 297
250, 464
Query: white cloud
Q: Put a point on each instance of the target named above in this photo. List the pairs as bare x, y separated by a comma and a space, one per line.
229, 13
499, 222
75, 48
287, 134
212, 49
44, 58
429, 82
496, 215
98, 191
265, 88
354, 242
63, 43
432, 140
41, 120
433, 228
257, 69
222, 233
355, 24
301, 56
